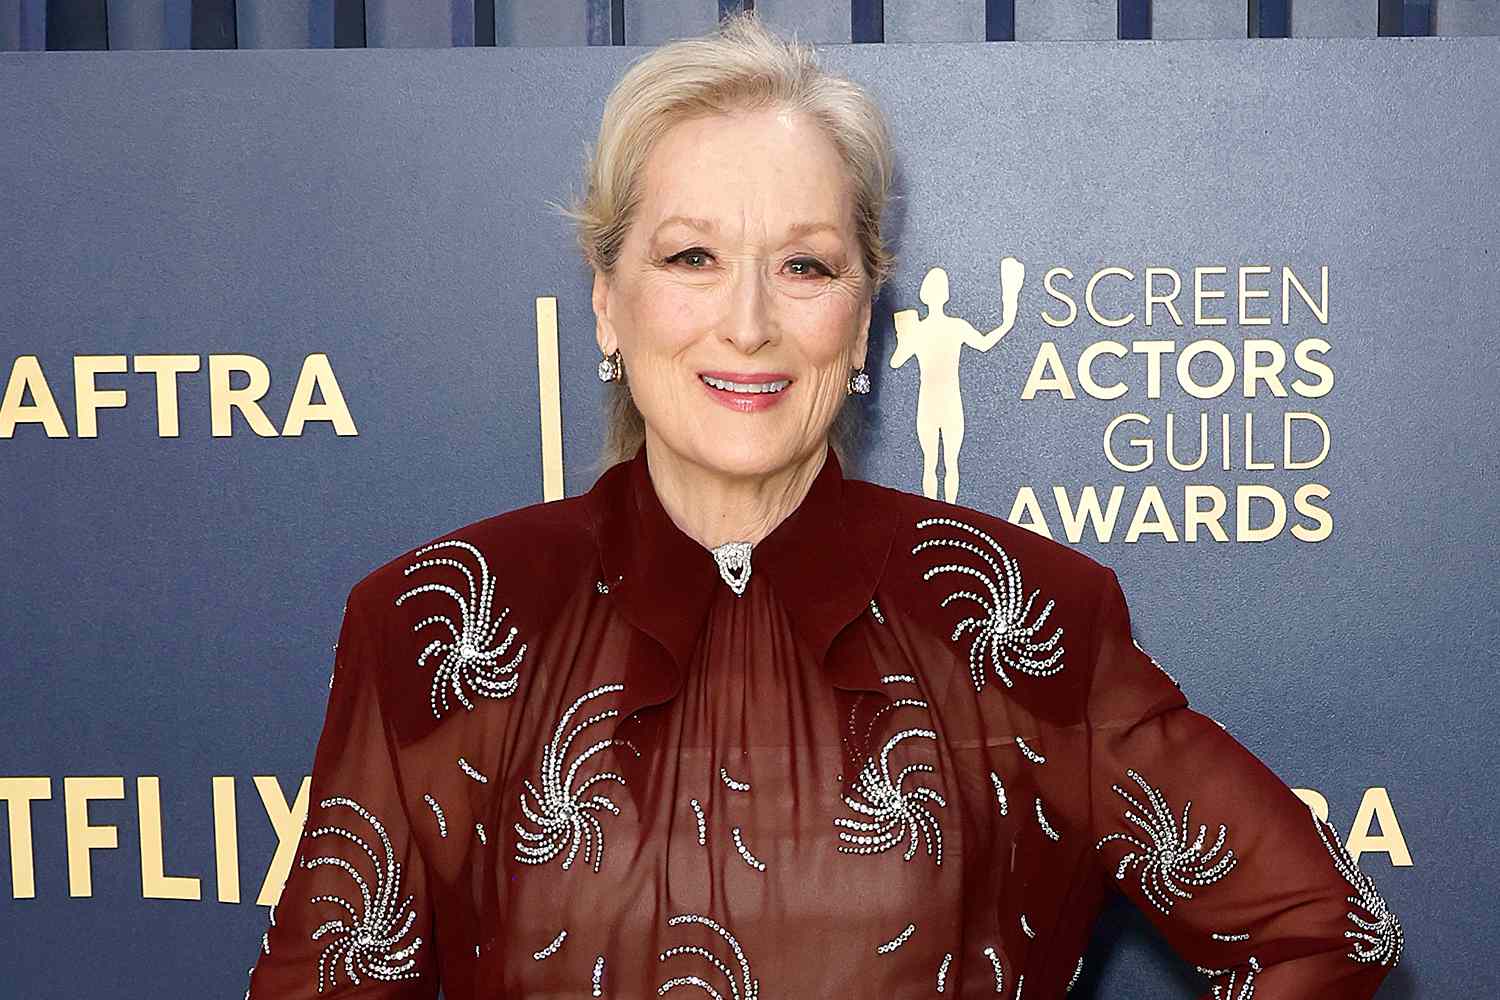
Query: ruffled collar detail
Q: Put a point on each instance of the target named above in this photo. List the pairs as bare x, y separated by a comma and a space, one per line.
823, 561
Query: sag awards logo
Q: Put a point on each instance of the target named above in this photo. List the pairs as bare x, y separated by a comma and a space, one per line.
1186, 472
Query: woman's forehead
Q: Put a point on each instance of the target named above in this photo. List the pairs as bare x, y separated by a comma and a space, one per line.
724, 173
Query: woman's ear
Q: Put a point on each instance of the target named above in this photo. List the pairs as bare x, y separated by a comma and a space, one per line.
604, 332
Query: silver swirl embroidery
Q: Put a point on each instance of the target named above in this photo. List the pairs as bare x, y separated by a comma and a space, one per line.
739, 786
479, 832
1042, 821
551, 947
942, 973
1242, 936
369, 939
999, 791
598, 977
989, 953
746, 988
702, 825
1029, 753
750, 859
895, 813
893, 678
564, 811
1169, 861
469, 661
1026, 927
875, 610
1379, 937
1002, 636
437, 811
472, 772
1077, 971
1231, 986
895, 942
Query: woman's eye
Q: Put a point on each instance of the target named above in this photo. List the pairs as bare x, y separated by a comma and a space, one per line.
803, 266
693, 257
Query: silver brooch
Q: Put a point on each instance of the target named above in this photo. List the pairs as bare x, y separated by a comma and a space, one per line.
734, 564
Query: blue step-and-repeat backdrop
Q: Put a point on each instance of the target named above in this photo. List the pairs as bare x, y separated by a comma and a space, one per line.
268, 319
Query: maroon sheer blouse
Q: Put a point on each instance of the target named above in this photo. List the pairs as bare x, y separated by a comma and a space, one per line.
907, 753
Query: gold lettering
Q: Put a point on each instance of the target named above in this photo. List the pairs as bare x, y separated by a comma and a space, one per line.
1151, 515
287, 821
223, 399
25, 374
1048, 374
155, 883
1170, 301
1061, 297
318, 373
1255, 293
226, 840
88, 398
166, 368
1088, 296
83, 837
1193, 514
1200, 293
1319, 308
19, 794
1376, 805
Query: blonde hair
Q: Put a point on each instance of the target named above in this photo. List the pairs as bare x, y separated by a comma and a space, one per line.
740, 66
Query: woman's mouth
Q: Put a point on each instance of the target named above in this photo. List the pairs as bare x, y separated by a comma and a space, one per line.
746, 393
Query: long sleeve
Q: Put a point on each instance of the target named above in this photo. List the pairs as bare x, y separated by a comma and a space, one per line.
1236, 871
354, 918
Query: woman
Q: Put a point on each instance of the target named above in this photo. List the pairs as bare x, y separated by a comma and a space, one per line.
730, 719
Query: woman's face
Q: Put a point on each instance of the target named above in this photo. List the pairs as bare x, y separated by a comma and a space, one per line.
740, 263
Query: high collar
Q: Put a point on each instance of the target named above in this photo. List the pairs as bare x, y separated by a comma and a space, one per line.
822, 561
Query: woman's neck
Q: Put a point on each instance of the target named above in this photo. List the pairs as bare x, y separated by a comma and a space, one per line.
712, 508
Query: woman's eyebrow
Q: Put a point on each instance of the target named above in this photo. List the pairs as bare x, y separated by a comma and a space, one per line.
793, 231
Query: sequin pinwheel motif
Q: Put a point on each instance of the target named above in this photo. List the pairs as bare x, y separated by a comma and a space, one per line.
1167, 860
1377, 938
561, 810
742, 986
894, 812
370, 938
1002, 635
469, 660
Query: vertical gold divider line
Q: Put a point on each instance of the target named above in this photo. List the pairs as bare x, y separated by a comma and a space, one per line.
548, 384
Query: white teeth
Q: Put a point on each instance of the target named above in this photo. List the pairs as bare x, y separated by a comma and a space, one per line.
719, 383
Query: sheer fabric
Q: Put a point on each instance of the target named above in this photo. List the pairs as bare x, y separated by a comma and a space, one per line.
563, 758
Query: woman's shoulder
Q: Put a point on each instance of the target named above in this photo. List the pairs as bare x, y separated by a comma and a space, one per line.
519, 555
1009, 602
928, 532
468, 607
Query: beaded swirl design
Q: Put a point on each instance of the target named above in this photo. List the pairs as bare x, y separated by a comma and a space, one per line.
468, 658
1167, 860
562, 810
369, 938
1002, 636
1377, 938
1233, 984
894, 812
742, 986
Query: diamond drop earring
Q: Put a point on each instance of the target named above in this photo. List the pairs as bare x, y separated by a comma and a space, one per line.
858, 384
612, 368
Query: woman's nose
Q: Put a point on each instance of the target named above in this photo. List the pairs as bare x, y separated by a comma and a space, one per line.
750, 321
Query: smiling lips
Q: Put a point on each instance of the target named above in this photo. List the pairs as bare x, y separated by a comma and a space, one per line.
745, 392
